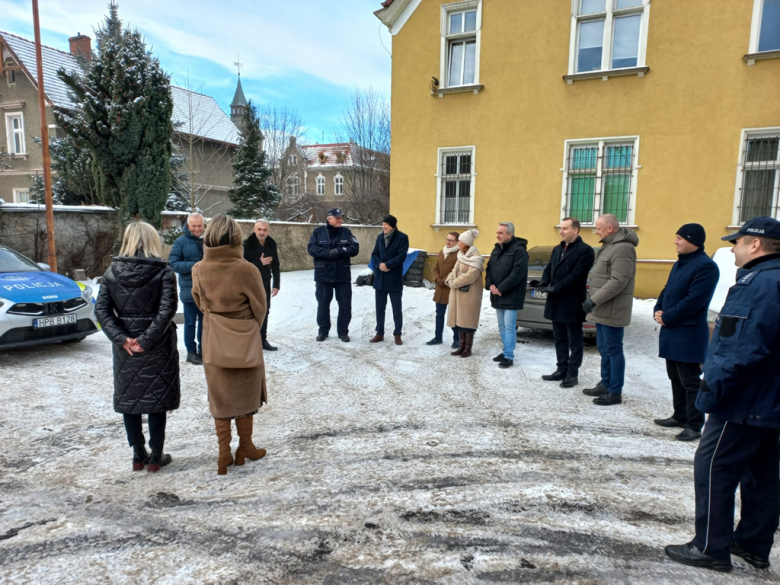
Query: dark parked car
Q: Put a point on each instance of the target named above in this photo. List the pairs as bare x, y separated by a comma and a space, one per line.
532, 314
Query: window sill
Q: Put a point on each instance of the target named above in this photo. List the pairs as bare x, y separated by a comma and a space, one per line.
457, 89
438, 226
592, 226
751, 58
605, 75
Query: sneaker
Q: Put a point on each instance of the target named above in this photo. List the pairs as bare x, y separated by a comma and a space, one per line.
506, 364
556, 376
755, 560
569, 382
434, 341
322, 337
344, 338
687, 554
499, 358
599, 390
608, 399
194, 359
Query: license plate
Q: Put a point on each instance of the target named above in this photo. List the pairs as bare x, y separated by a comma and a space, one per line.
53, 321
537, 294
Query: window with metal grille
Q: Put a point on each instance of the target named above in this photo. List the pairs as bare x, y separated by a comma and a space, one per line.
320, 185
600, 179
456, 177
759, 190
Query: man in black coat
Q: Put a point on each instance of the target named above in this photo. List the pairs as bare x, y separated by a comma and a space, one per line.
260, 249
565, 280
387, 260
681, 311
506, 278
332, 246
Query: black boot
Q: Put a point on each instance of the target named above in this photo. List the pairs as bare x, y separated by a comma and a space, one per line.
157, 460
194, 359
555, 376
599, 390
140, 457
570, 382
268, 347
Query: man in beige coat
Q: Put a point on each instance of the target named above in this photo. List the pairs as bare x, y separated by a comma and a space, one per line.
611, 299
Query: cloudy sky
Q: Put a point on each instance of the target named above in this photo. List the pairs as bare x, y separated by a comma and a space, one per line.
309, 54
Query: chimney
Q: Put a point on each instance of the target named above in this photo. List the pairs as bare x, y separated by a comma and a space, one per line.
81, 46
292, 141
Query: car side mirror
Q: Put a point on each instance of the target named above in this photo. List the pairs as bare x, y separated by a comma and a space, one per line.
44, 266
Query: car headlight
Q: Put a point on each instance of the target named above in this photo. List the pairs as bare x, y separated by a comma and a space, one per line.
86, 293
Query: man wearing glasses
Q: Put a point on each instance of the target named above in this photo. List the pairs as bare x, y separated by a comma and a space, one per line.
441, 296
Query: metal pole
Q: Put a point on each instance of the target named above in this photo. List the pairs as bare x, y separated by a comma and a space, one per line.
44, 143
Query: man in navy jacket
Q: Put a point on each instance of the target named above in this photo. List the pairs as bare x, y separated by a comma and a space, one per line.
187, 250
332, 246
741, 392
681, 311
387, 260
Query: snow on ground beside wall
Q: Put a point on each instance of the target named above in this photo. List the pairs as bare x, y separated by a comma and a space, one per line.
385, 464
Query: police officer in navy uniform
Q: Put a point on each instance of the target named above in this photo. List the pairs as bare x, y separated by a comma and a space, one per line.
332, 246
741, 392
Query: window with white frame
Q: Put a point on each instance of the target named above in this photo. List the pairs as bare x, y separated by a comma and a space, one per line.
455, 200
10, 76
293, 160
765, 30
460, 40
14, 125
608, 34
600, 177
758, 175
294, 185
320, 185
21, 195
338, 185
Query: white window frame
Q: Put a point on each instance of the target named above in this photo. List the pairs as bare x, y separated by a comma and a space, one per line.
338, 184
9, 130
608, 16
17, 195
293, 160
10, 76
755, 27
320, 183
601, 142
446, 10
442, 152
746, 134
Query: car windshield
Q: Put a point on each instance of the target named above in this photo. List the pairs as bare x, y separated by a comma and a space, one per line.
539, 256
11, 261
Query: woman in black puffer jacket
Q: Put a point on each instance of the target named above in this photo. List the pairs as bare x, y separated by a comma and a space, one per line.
135, 307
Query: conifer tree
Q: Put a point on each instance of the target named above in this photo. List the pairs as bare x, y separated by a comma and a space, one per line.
124, 119
252, 194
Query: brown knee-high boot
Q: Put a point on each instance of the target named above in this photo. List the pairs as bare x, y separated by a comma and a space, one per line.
246, 449
469, 342
223, 436
461, 344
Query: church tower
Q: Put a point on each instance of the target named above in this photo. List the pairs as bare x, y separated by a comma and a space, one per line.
238, 106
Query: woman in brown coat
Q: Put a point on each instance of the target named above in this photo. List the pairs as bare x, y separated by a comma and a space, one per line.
226, 288
441, 296
465, 282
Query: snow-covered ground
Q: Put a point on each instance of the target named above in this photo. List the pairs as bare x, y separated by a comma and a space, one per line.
385, 464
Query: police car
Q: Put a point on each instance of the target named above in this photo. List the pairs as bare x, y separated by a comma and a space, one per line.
38, 306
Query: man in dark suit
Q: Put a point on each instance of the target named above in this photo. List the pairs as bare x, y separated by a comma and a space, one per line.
565, 281
387, 260
260, 250
681, 311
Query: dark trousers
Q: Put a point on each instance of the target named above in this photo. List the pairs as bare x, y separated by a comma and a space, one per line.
731, 455
686, 379
264, 328
381, 309
324, 293
193, 319
569, 347
135, 431
613, 362
441, 313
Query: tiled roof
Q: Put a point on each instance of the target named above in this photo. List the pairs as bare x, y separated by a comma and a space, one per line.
209, 120
56, 90
327, 154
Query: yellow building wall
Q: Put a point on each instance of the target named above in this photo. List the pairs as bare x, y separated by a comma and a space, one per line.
688, 110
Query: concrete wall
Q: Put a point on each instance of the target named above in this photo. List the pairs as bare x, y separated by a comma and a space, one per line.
688, 110
292, 239
84, 236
